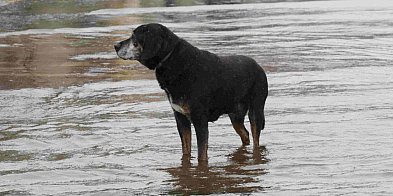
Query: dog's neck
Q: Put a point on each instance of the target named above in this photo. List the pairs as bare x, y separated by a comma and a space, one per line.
165, 58
168, 55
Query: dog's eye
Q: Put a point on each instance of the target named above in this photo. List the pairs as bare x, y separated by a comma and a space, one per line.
135, 44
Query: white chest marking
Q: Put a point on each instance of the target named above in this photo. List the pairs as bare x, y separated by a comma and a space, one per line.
178, 108
175, 106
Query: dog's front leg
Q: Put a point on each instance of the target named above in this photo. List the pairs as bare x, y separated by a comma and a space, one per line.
184, 128
202, 132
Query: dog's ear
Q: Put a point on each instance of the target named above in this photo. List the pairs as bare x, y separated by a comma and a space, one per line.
152, 42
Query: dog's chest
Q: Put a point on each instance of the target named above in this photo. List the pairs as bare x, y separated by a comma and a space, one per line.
179, 104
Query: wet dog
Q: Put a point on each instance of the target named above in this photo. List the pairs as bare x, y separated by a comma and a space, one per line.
200, 85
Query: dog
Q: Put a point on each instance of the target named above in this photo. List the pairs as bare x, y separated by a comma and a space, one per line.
201, 86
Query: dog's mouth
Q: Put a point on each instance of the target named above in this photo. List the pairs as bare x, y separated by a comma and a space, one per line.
125, 58
126, 51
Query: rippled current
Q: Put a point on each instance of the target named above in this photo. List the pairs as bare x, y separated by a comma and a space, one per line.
76, 120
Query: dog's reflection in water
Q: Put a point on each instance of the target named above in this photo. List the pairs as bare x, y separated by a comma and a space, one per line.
238, 175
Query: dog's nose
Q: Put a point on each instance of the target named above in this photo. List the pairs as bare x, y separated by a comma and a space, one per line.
117, 46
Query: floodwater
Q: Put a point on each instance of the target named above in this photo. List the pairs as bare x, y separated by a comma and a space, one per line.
76, 120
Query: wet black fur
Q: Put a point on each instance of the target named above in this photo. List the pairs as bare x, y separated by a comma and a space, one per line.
211, 85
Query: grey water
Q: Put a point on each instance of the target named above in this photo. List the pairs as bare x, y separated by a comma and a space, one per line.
77, 120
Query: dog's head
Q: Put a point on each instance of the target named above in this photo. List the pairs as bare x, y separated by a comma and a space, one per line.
148, 44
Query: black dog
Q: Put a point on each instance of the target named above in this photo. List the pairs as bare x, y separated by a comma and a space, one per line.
200, 85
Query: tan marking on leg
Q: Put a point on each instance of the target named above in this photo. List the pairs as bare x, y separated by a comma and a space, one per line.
255, 136
202, 154
186, 142
243, 133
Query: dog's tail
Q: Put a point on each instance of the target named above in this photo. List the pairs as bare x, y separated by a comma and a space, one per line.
256, 111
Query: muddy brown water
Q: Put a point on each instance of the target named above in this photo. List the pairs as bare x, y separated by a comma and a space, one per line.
76, 120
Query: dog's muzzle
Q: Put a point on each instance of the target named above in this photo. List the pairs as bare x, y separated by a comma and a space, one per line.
126, 50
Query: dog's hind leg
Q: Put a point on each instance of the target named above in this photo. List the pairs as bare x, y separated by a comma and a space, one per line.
237, 120
257, 121
256, 112
184, 128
